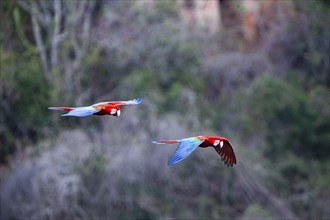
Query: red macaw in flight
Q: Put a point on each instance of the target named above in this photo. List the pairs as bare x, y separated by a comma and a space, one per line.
188, 145
101, 108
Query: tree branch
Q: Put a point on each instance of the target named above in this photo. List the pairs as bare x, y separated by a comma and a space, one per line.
56, 33
40, 45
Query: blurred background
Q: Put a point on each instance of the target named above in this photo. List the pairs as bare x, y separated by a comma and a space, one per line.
255, 72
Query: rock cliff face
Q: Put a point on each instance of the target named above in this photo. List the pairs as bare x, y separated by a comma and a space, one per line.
201, 14
220, 15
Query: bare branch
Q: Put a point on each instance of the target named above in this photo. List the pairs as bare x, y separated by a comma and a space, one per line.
87, 24
24, 5
32, 8
56, 33
40, 45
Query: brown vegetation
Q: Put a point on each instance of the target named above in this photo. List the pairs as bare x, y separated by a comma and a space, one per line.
261, 79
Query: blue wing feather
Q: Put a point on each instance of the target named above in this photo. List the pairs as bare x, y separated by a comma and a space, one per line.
81, 112
185, 148
130, 102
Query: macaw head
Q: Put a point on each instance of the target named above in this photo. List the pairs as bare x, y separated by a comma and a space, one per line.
218, 143
115, 111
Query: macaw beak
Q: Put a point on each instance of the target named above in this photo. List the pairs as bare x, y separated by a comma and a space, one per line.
118, 113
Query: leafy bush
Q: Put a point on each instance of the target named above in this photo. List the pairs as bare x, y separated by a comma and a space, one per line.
295, 125
25, 98
287, 117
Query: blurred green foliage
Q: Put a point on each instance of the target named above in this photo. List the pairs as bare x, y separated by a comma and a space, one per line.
256, 211
25, 99
295, 124
92, 171
289, 117
276, 104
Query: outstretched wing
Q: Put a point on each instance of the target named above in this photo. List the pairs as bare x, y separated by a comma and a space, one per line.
226, 152
81, 111
130, 102
185, 148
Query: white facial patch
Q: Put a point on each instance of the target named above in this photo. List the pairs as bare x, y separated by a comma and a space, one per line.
221, 144
113, 111
216, 142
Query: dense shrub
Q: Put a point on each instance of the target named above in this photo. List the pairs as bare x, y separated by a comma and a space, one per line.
289, 118
270, 98
25, 98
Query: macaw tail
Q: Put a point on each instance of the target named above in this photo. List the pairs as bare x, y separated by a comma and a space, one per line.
165, 142
61, 108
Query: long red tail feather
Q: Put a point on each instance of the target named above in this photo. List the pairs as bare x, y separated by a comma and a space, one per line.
166, 142
61, 108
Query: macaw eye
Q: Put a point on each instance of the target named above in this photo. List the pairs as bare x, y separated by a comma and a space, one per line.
216, 142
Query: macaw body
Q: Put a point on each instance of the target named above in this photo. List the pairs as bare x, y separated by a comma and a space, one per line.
188, 145
101, 108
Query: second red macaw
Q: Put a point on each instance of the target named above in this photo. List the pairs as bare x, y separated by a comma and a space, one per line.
188, 145
101, 108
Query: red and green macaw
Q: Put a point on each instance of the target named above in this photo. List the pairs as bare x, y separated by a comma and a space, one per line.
101, 108
188, 145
